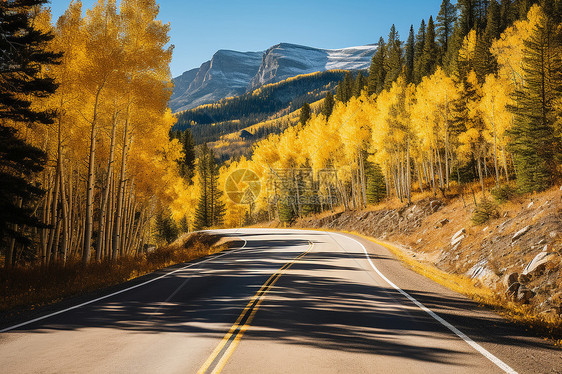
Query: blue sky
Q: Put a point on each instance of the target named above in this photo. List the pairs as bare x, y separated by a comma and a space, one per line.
200, 28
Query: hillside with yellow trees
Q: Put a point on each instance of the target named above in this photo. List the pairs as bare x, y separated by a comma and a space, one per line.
489, 113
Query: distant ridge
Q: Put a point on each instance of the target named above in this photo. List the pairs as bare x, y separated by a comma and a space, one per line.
233, 73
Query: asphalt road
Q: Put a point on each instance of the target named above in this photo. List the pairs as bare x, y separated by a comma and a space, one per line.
288, 301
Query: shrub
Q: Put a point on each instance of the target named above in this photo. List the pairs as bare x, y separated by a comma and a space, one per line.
484, 211
503, 193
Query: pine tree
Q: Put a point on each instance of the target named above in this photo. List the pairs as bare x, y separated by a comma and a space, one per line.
24, 53
183, 225
348, 83
202, 213
376, 187
358, 85
166, 228
377, 72
187, 162
508, 13
485, 62
210, 208
345, 88
409, 56
305, 114
393, 62
533, 143
430, 55
217, 206
418, 51
445, 24
328, 105
466, 17
481, 10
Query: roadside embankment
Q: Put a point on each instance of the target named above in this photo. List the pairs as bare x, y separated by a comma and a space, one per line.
515, 257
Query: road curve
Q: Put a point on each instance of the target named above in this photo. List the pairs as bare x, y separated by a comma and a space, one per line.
287, 301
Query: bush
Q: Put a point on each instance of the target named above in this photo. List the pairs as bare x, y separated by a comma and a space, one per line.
484, 211
503, 193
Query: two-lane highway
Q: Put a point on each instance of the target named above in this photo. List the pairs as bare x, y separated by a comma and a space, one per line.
288, 301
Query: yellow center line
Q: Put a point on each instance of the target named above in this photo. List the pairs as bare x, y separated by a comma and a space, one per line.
235, 333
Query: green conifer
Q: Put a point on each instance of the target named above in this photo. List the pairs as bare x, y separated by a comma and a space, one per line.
534, 146
445, 24
23, 57
418, 51
409, 56
377, 72
393, 61
305, 114
358, 85
430, 55
328, 105
376, 187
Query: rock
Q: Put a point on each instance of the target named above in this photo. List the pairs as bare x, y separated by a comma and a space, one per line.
553, 234
538, 264
459, 233
458, 237
503, 225
441, 223
485, 229
512, 290
524, 294
520, 233
483, 274
457, 240
509, 279
524, 278
435, 205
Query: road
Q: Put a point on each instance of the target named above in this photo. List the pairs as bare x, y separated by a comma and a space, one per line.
286, 301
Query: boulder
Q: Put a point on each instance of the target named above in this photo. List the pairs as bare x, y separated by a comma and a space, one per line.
523, 278
459, 235
510, 278
538, 264
481, 273
512, 290
524, 294
441, 223
435, 205
520, 233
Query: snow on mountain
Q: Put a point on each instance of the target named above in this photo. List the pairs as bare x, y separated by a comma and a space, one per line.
226, 74
288, 60
231, 73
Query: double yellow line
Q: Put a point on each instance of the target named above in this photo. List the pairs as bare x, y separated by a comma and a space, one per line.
229, 342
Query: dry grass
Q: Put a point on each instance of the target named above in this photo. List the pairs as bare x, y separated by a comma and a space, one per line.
29, 288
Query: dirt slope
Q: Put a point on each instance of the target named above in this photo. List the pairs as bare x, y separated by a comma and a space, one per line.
518, 255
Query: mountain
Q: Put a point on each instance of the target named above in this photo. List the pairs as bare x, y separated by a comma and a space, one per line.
209, 122
227, 74
286, 60
232, 73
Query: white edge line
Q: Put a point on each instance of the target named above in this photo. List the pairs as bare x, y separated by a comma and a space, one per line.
502, 365
120, 291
